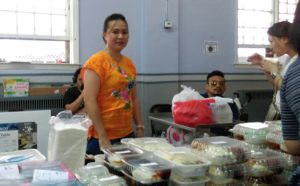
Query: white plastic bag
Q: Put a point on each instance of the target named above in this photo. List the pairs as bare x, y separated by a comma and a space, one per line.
186, 94
68, 139
221, 111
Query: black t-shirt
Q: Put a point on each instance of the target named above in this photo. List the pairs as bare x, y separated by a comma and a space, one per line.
71, 95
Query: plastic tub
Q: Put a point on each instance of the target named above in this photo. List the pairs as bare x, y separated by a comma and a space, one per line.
186, 163
148, 169
116, 153
220, 150
227, 174
176, 180
274, 139
253, 133
21, 156
148, 144
91, 172
110, 180
263, 163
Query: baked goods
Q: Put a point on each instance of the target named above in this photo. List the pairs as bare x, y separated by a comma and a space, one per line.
147, 169
220, 150
264, 163
226, 174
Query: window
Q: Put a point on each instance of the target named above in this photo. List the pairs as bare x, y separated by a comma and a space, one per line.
38, 31
254, 21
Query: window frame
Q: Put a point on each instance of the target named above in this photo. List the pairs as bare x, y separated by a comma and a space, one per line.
239, 60
73, 38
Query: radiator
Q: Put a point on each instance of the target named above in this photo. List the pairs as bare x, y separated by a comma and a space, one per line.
53, 103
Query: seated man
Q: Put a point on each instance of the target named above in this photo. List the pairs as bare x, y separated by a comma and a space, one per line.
73, 98
215, 86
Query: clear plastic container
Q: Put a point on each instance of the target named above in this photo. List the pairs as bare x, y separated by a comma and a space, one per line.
148, 144
253, 133
274, 139
220, 150
177, 180
290, 162
90, 173
21, 156
110, 180
148, 169
238, 132
227, 174
116, 153
186, 163
274, 125
263, 163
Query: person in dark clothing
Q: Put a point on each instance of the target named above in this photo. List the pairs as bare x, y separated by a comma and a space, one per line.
215, 86
73, 98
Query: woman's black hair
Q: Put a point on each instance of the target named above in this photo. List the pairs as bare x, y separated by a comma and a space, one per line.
112, 17
76, 74
280, 29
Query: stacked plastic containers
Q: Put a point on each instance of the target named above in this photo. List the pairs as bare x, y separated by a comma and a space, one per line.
96, 174
253, 133
147, 169
235, 163
188, 168
227, 157
115, 154
274, 137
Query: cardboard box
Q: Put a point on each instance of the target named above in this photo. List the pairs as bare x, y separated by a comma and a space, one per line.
18, 136
15, 87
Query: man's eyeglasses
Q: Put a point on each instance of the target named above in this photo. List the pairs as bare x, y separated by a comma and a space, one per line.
216, 83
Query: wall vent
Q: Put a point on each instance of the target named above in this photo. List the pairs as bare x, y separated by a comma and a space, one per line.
53, 103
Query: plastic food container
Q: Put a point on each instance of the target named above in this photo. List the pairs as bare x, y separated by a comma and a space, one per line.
253, 133
274, 125
90, 173
220, 150
111, 180
148, 169
264, 163
116, 153
148, 144
290, 162
21, 156
274, 139
176, 180
186, 163
227, 174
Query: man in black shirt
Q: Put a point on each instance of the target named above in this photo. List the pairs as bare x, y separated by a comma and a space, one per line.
215, 86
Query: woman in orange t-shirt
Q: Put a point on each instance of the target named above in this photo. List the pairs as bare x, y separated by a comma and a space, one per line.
110, 92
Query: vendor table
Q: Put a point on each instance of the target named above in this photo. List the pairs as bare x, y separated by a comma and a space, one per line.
167, 119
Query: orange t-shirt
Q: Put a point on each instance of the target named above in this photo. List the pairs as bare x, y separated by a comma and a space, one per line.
115, 93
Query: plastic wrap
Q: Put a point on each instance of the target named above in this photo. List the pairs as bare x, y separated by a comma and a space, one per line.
264, 163
227, 174
221, 112
21, 156
186, 164
27, 171
68, 139
148, 144
91, 173
220, 150
253, 133
116, 153
148, 169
